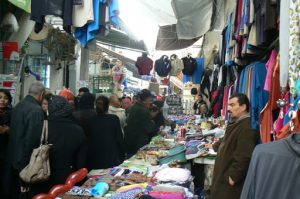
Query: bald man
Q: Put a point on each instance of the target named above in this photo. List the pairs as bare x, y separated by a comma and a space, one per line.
114, 109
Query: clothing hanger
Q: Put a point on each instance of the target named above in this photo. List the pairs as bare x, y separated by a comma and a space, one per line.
189, 55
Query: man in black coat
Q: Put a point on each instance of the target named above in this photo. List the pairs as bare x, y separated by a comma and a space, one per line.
26, 129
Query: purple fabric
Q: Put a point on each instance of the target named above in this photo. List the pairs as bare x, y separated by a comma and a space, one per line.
166, 195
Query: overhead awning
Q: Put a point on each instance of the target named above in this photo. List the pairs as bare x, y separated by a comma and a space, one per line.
193, 18
167, 39
120, 39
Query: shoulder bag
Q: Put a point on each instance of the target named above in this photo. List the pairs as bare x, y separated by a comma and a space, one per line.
38, 169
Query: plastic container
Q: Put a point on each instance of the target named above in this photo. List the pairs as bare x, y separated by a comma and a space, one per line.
175, 154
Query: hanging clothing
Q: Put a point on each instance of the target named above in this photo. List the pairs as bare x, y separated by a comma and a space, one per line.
199, 70
286, 130
60, 8
283, 111
144, 65
259, 97
190, 65
270, 64
273, 165
266, 115
187, 78
83, 14
87, 33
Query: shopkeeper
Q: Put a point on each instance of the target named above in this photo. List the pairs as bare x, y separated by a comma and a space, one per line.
199, 101
140, 125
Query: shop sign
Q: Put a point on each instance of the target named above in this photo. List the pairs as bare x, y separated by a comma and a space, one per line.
10, 51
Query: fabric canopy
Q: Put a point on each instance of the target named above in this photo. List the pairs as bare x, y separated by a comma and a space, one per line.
193, 17
167, 39
121, 39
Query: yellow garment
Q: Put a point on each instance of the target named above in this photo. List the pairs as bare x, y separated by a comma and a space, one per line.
128, 187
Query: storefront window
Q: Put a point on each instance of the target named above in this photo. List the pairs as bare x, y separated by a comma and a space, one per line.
39, 66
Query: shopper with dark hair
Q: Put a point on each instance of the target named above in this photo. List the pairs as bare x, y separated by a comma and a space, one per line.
234, 151
81, 92
85, 110
140, 125
5, 114
199, 101
105, 138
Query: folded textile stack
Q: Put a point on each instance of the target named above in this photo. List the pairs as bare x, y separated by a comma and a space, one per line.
194, 149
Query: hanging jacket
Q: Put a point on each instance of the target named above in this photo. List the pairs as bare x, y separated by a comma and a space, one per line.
177, 65
163, 66
144, 65
190, 65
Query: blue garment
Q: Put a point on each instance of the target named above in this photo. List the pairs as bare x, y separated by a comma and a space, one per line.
228, 38
259, 97
89, 32
186, 78
114, 12
241, 81
245, 77
296, 107
197, 76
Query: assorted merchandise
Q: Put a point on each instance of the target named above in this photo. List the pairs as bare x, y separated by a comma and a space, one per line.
175, 105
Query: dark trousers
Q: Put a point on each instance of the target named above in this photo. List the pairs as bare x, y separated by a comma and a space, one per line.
10, 183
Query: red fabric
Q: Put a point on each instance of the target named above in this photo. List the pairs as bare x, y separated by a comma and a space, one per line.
8, 48
225, 100
285, 131
214, 98
144, 65
267, 112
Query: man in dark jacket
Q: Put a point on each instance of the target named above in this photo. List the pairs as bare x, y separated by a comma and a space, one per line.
234, 151
140, 125
26, 129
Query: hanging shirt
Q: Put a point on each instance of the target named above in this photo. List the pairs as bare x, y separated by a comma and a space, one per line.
83, 14
190, 65
144, 65
270, 64
266, 114
259, 97
199, 70
60, 8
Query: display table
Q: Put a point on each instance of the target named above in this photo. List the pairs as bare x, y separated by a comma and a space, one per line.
204, 160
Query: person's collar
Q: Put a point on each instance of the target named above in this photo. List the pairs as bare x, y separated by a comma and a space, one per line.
115, 108
247, 115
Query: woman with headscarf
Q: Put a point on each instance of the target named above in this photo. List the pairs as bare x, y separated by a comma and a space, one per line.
5, 114
85, 109
68, 152
105, 138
